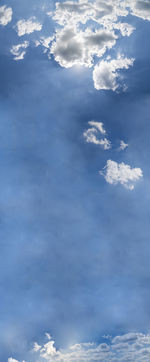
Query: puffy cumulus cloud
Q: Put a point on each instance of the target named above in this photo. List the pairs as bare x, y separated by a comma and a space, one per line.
76, 47
86, 30
141, 9
105, 74
19, 50
5, 15
81, 11
93, 135
73, 45
27, 26
115, 173
123, 145
105, 12
128, 347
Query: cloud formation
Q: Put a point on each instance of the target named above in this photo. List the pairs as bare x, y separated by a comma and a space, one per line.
79, 43
123, 145
102, 12
44, 42
93, 135
19, 50
128, 347
141, 9
115, 173
84, 31
27, 26
105, 74
5, 15
76, 47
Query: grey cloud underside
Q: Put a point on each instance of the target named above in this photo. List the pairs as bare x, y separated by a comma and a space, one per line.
73, 45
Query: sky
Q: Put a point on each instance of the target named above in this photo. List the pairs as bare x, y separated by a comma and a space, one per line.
74, 184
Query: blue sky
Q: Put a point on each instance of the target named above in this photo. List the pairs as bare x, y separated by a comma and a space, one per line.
74, 200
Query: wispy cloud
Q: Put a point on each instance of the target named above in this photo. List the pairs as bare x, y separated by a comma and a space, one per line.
19, 50
123, 146
94, 135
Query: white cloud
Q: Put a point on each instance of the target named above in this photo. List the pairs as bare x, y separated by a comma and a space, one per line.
141, 9
128, 347
5, 15
125, 28
84, 31
93, 135
76, 47
36, 347
88, 28
81, 11
12, 360
27, 26
115, 173
123, 145
98, 125
105, 74
19, 50
45, 43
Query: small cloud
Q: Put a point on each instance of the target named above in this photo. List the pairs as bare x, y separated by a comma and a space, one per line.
105, 74
36, 347
98, 125
123, 145
18, 50
93, 135
44, 42
115, 173
5, 15
27, 26
48, 336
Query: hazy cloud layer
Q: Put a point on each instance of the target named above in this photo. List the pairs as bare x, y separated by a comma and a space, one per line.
5, 15
128, 347
115, 173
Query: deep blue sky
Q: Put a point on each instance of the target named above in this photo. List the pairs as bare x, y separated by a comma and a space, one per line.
74, 249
